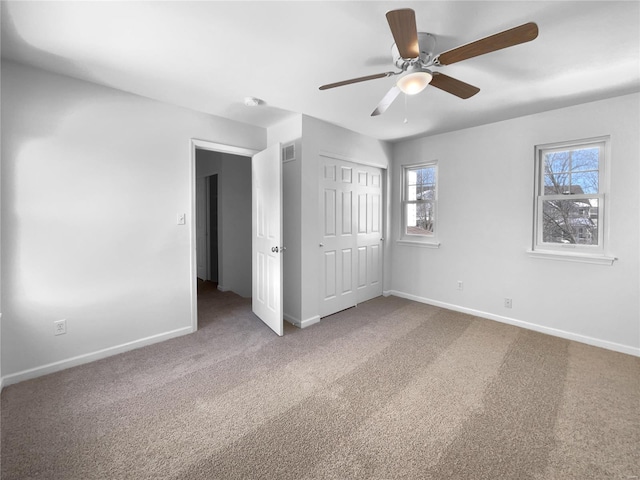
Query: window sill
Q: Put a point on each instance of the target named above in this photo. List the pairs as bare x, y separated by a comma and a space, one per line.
417, 243
573, 257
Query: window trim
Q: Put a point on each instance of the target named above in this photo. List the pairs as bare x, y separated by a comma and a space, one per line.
573, 252
405, 238
572, 257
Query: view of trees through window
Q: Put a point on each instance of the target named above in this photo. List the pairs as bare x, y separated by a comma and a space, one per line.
570, 201
420, 199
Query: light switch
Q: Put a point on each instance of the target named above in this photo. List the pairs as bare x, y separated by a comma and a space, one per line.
181, 218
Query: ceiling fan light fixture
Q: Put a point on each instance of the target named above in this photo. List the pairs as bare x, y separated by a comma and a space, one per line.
414, 82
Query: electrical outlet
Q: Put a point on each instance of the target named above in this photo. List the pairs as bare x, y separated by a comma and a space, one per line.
507, 303
60, 327
460, 284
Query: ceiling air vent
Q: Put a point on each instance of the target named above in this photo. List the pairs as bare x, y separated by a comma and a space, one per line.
289, 153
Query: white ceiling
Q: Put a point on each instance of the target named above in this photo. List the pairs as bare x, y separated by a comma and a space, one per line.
209, 55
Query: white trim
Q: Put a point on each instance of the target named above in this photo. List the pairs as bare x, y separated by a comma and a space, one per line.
193, 259
195, 144
301, 323
410, 243
223, 148
222, 288
292, 320
572, 257
1, 377
93, 356
596, 342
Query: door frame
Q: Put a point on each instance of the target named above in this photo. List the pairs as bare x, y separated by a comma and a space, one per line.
195, 144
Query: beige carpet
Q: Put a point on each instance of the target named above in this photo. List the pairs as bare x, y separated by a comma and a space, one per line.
390, 389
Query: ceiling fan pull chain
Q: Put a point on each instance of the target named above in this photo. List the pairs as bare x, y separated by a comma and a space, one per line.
406, 120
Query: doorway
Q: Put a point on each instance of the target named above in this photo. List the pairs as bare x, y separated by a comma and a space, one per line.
208, 226
260, 188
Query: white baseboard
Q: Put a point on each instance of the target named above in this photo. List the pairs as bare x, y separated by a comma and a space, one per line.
1, 377
291, 320
222, 289
91, 357
596, 342
301, 323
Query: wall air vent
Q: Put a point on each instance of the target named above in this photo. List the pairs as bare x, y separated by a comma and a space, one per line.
289, 153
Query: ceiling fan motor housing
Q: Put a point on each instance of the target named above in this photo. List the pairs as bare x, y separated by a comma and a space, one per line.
427, 45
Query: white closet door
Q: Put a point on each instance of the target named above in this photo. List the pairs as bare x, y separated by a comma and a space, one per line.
350, 245
369, 233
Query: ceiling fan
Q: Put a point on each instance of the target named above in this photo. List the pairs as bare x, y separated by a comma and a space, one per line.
413, 54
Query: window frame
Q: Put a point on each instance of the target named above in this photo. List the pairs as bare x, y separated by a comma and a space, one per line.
573, 251
428, 240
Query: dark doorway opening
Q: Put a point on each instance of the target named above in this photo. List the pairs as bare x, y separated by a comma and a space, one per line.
213, 227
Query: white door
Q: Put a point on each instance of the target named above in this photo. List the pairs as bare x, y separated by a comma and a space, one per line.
266, 173
369, 233
351, 242
338, 241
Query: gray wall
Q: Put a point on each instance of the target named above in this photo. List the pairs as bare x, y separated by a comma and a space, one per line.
92, 182
485, 207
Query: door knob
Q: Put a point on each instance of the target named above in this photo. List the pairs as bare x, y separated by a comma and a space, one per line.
274, 249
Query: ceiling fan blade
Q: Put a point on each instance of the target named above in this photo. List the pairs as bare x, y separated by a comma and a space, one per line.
454, 86
386, 101
402, 23
356, 80
508, 38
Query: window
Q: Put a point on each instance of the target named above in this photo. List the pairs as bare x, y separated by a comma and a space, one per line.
571, 186
419, 200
